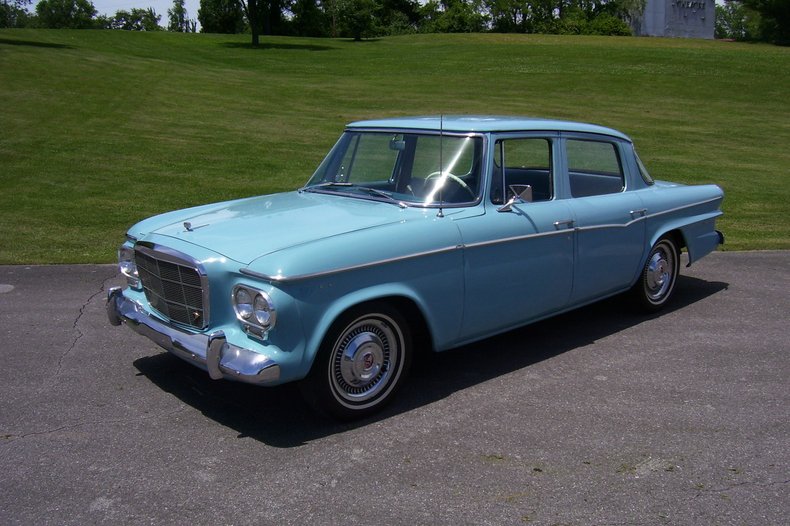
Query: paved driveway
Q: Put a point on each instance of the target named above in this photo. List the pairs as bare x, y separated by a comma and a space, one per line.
596, 417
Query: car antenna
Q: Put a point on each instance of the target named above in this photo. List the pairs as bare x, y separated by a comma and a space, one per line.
441, 165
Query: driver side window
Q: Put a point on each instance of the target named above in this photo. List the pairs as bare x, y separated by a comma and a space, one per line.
527, 161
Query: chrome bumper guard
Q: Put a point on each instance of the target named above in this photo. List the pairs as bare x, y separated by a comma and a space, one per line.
208, 351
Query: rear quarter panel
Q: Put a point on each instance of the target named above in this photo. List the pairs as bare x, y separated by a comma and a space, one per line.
692, 210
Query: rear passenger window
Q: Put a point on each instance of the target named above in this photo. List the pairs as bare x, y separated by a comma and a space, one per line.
594, 168
526, 162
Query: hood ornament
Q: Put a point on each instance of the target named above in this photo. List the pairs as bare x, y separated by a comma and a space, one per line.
191, 228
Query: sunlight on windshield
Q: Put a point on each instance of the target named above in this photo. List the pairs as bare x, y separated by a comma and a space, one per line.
403, 167
448, 171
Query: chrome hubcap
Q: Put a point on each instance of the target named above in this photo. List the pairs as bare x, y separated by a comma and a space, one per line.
363, 360
659, 273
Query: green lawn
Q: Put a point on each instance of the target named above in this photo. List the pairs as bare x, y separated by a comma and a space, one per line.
99, 129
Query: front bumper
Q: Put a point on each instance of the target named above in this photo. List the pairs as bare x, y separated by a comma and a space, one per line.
210, 352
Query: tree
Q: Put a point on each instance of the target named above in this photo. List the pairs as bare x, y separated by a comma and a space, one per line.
14, 13
66, 14
267, 17
355, 18
397, 17
453, 16
178, 18
736, 21
309, 20
774, 19
136, 20
221, 16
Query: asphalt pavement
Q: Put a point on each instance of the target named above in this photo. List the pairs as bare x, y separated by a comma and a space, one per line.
599, 416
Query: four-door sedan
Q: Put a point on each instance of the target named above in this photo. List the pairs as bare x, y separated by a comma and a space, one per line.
453, 229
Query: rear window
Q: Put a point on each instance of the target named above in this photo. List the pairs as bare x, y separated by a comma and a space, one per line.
594, 168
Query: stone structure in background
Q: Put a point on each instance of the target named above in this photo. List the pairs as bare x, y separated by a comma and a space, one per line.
677, 18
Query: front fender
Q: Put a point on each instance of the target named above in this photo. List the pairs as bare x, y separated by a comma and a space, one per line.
384, 292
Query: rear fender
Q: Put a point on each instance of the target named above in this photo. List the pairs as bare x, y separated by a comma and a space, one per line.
699, 233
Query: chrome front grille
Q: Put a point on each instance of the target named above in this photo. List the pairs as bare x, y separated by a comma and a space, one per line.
173, 286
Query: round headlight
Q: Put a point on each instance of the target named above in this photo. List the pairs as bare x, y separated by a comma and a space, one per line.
127, 266
243, 302
263, 311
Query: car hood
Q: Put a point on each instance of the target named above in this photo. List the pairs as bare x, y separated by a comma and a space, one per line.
248, 229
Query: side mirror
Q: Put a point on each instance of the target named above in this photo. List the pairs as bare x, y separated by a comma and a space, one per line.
522, 193
397, 145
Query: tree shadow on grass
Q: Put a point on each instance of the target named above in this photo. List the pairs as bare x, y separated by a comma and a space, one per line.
276, 45
352, 41
278, 417
32, 43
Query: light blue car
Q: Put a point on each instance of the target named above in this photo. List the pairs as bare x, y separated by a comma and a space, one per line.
434, 230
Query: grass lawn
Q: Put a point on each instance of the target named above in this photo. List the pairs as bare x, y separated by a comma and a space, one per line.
99, 129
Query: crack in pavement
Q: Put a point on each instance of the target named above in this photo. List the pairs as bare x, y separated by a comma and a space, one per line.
47, 384
75, 326
9, 438
750, 483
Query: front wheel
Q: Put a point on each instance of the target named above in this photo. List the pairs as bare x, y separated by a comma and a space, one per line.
658, 277
361, 363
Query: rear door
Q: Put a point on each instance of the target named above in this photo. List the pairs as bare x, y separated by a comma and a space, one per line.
608, 217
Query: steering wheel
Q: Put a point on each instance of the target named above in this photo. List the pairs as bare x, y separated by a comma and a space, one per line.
452, 177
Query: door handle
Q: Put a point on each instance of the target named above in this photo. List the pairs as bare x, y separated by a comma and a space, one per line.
642, 212
565, 222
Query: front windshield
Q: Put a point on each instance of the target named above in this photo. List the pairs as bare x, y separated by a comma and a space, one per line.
410, 168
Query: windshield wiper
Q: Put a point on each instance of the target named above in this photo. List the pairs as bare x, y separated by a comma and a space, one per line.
367, 189
324, 185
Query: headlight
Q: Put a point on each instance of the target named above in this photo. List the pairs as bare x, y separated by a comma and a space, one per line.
127, 266
243, 304
254, 309
264, 313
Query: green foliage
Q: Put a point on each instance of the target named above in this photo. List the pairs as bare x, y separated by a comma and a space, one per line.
397, 17
221, 16
178, 18
574, 17
355, 18
135, 19
99, 129
66, 14
453, 16
606, 24
14, 13
309, 20
774, 19
737, 22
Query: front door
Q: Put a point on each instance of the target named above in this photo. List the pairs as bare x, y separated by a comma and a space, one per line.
518, 263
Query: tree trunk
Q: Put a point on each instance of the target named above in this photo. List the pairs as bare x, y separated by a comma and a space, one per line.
253, 20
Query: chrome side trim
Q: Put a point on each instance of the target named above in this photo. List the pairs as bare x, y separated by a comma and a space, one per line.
279, 278
691, 205
611, 225
516, 238
210, 352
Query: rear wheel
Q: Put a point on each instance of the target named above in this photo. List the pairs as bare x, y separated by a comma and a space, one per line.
657, 282
361, 363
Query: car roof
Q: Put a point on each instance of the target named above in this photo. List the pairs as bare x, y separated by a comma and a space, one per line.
485, 124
